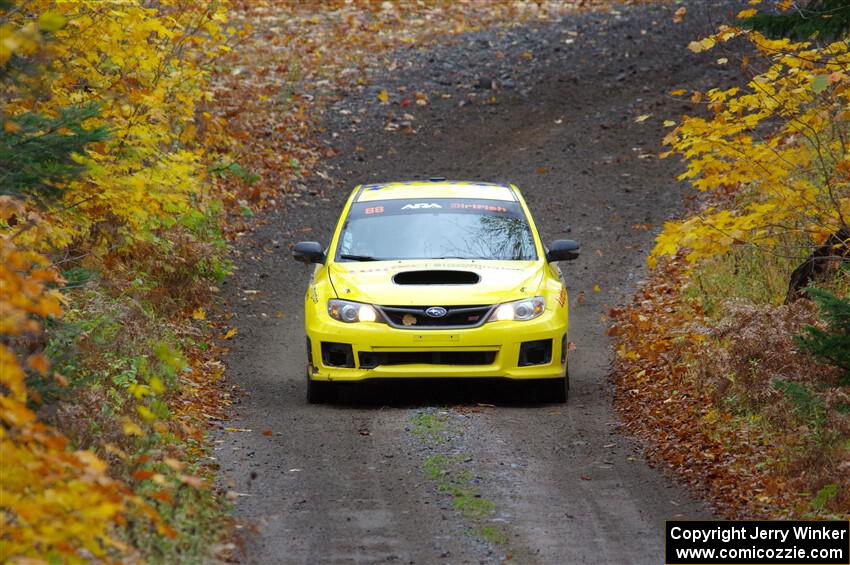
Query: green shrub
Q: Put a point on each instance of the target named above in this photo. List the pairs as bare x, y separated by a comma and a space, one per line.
830, 345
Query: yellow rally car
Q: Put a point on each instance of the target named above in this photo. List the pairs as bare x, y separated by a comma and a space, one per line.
436, 279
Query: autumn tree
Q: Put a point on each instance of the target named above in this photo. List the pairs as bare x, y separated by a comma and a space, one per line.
98, 126
777, 145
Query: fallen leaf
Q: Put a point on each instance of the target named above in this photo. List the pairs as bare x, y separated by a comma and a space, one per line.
174, 463
132, 429
163, 496
191, 480
60, 379
642, 118
230, 333
38, 362
142, 475
384, 97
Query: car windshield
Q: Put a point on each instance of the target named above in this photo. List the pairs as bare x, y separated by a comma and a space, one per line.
436, 228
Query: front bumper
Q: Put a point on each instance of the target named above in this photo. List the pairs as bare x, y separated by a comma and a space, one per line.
379, 351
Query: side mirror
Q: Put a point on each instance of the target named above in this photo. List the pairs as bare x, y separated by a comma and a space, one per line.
309, 252
563, 250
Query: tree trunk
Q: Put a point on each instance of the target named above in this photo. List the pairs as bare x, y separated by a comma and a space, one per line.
821, 262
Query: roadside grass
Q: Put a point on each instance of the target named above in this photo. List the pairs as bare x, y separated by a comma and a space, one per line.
745, 273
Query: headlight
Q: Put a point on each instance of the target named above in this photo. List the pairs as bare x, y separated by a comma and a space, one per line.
519, 310
346, 311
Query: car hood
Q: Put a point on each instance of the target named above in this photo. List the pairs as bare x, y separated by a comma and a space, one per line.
436, 282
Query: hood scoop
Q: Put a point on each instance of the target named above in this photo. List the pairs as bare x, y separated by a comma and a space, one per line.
436, 277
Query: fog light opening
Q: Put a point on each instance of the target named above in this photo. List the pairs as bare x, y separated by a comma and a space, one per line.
535, 353
337, 355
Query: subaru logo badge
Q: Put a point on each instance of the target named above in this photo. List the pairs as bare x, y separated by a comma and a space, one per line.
436, 311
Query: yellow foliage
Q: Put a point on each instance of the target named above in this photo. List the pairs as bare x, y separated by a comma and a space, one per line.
52, 500
778, 145
145, 68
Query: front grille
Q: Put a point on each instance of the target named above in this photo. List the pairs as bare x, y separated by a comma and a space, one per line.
414, 317
372, 360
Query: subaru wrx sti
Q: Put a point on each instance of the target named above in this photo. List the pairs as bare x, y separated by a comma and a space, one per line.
437, 279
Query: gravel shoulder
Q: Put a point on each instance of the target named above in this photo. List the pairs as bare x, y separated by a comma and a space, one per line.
346, 483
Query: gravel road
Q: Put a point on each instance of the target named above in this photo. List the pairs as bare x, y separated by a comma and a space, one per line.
554, 111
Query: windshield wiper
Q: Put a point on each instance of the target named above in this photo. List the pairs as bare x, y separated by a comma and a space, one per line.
360, 257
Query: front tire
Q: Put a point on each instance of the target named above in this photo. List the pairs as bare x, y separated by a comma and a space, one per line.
319, 392
555, 391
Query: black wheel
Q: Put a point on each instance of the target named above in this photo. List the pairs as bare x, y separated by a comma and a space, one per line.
554, 390
320, 392
543, 391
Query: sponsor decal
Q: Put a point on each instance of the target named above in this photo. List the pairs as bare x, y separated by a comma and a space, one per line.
487, 207
421, 206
